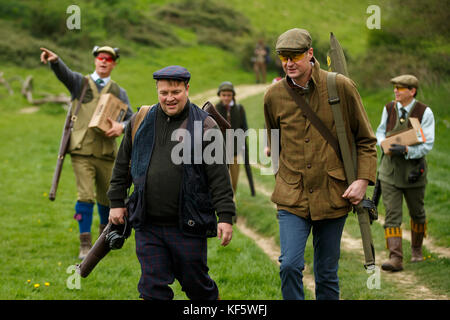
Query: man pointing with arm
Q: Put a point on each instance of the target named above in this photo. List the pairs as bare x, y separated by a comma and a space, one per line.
92, 153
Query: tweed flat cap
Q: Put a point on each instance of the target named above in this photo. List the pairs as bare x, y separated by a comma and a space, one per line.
172, 73
294, 40
406, 80
114, 52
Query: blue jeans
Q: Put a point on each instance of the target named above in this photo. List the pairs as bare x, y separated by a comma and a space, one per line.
294, 232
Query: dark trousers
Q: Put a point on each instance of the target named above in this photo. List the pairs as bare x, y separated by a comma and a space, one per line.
393, 202
165, 254
294, 233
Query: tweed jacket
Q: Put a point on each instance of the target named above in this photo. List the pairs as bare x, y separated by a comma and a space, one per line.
310, 179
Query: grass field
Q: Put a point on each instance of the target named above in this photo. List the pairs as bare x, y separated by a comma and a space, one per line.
40, 238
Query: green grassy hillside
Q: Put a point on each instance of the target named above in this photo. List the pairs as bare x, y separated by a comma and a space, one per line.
347, 19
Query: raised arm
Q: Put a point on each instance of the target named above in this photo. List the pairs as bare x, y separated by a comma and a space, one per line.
72, 80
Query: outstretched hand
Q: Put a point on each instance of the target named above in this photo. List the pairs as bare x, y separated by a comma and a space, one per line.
47, 55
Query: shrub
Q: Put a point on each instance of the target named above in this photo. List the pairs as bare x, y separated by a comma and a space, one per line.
214, 22
411, 41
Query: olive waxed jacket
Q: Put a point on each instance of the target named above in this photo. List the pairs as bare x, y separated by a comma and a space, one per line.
311, 180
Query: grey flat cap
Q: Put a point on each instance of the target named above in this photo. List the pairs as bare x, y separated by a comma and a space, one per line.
406, 80
294, 40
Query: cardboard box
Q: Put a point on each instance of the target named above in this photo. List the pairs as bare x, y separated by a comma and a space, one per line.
109, 106
408, 137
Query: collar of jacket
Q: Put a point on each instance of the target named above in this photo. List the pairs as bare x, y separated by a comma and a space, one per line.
95, 77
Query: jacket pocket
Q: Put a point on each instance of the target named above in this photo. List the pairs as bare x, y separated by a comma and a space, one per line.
288, 187
337, 184
198, 216
109, 147
135, 207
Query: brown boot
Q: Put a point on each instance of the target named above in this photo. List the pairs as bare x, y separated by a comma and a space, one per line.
394, 244
418, 232
85, 244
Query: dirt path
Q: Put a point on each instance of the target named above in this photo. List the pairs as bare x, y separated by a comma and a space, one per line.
406, 280
272, 250
242, 92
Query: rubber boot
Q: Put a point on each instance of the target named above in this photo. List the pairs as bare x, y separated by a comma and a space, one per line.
85, 244
394, 244
418, 232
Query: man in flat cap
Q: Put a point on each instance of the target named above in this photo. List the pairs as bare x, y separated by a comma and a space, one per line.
173, 207
92, 152
403, 173
311, 192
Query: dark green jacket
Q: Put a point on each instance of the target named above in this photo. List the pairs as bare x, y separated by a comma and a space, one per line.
238, 119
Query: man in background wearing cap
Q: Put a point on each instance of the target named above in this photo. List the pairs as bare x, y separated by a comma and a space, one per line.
92, 153
234, 113
404, 171
174, 205
310, 186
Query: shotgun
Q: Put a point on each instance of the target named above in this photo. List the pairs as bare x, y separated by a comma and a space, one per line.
112, 238
376, 193
221, 122
64, 143
248, 170
366, 210
224, 125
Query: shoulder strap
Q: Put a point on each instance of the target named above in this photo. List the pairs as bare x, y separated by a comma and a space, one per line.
80, 100
311, 115
137, 120
114, 88
365, 206
334, 101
